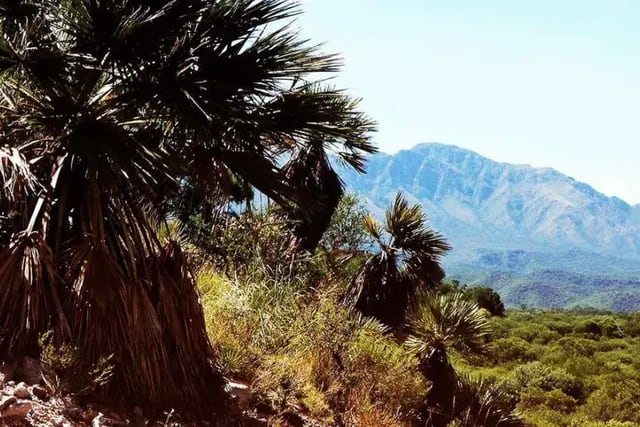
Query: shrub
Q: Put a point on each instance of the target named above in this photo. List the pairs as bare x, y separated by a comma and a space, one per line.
67, 373
618, 399
554, 400
486, 298
546, 379
300, 348
512, 349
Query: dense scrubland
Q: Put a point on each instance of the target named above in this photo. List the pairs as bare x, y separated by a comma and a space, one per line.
283, 328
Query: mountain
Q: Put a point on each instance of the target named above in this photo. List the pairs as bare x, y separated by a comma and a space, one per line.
514, 221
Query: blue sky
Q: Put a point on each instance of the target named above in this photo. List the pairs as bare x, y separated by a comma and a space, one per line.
547, 82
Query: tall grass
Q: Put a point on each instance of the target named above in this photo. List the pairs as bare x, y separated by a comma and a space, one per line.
300, 349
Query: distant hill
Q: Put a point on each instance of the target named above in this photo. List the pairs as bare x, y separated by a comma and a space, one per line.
516, 226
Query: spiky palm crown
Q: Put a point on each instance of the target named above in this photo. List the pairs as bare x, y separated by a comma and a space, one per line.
449, 322
482, 403
105, 107
406, 265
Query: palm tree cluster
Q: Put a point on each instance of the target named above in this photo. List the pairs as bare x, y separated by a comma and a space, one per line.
106, 107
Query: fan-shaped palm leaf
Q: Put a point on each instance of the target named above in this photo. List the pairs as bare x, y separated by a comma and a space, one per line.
480, 403
451, 322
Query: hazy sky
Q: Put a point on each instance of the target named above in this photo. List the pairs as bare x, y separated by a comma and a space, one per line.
545, 82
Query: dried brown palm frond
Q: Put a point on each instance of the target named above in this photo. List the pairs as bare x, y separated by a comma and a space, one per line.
311, 169
113, 317
29, 299
181, 319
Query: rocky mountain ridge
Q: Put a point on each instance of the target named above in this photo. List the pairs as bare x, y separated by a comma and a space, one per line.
508, 218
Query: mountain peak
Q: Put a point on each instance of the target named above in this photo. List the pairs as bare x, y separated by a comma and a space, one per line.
513, 225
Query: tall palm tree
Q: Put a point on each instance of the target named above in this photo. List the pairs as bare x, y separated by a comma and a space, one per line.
407, 263
106, 106
443, 324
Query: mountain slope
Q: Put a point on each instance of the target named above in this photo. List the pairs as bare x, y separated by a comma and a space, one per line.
504, 218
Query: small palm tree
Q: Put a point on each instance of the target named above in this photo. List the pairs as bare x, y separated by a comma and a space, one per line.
481, 403
443, 324
407, 264
106, 108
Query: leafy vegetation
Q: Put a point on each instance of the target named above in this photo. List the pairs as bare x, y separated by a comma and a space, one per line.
567, 368
406, 264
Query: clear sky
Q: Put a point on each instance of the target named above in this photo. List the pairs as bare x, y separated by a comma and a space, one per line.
546, 82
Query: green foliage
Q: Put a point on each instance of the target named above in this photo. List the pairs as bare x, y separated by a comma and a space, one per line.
345, 232
406, 263
567, 368
109, 110
486, 298
67, 372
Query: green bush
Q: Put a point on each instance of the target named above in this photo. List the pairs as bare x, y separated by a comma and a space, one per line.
617, 399
554, 400
301, 348
538, 376
512, 349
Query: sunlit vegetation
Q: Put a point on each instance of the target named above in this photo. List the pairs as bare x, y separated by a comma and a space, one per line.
567, 368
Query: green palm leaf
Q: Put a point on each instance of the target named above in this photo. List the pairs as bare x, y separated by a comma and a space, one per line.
407, 264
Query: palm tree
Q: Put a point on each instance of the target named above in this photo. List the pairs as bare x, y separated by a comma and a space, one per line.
106, 107
440, 325
481, 403
407, 263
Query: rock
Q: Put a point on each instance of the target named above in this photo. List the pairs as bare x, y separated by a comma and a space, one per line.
17, 411
11, 383
22, 392
31, 371
7, 401
241, 393
98, 421
7, 371
40, 392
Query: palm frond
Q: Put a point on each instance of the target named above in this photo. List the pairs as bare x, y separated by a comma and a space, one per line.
407, 264
310, 169
378, 290
30, 304
16, 178
481, 403
106, 108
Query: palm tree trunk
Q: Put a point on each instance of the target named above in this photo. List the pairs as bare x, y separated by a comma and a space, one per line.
439, 403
